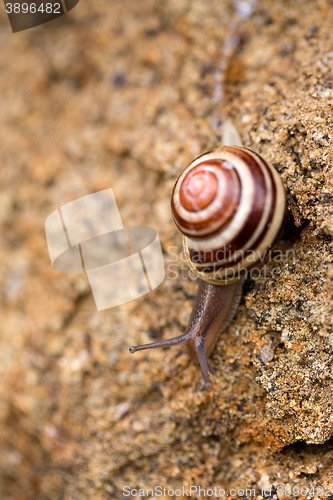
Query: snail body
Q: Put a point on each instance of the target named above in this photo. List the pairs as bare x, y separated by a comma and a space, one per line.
230, 206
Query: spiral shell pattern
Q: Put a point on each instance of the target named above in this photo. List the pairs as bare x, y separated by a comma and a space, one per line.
230, 206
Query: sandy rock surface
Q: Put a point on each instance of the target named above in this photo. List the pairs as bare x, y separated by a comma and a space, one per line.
119, 94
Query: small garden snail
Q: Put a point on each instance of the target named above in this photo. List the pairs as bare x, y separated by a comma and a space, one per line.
230, 205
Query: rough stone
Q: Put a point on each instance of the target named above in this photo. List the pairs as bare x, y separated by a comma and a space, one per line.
119, 94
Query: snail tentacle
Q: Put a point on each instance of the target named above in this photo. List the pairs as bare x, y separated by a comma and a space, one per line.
161, 343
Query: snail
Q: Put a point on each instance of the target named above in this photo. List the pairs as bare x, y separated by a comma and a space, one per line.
230, 206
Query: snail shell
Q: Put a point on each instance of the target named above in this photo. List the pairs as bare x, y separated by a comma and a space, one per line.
230, 206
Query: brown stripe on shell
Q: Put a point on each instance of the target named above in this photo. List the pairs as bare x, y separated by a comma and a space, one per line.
216, 267
256, 243
224, 214
247, 253
199, 189
246, 232
274, 201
